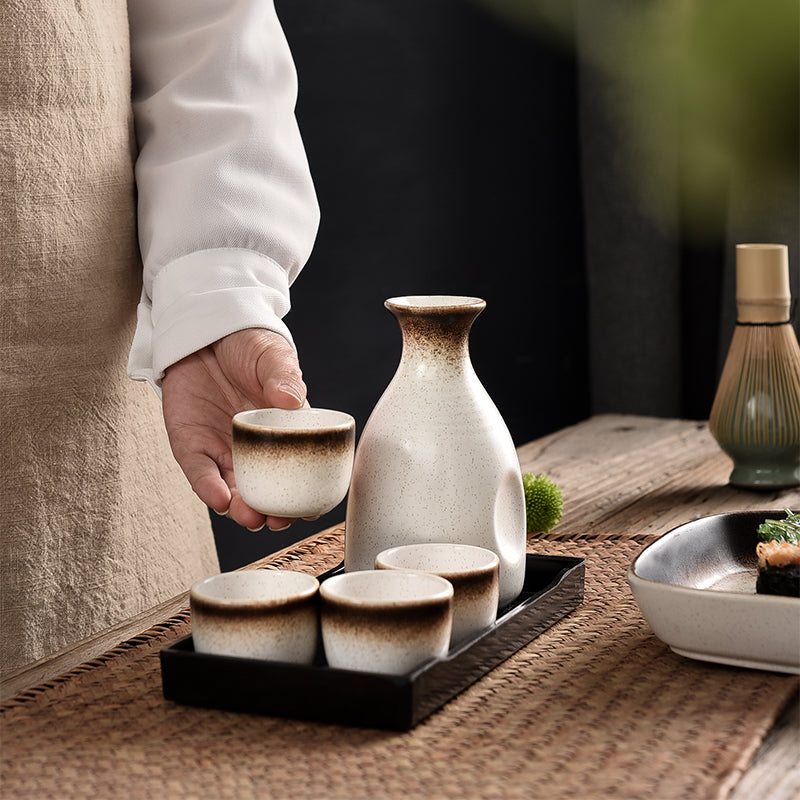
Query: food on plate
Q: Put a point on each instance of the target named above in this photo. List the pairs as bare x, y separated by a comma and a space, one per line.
544, 503
778, 552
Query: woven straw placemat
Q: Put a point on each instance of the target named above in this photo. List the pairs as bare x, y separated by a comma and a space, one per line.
594, 707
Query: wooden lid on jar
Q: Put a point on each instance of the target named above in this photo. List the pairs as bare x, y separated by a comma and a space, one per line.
762, 283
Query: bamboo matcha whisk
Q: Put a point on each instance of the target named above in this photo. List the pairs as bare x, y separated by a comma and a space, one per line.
755, 416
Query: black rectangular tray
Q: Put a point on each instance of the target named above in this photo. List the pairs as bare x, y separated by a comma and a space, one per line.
553, 588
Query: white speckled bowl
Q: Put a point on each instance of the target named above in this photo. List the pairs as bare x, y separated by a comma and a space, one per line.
262, 613
473, 571
385, 621
696, 588
293, 463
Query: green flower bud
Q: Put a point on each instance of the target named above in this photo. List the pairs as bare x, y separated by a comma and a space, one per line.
544, 504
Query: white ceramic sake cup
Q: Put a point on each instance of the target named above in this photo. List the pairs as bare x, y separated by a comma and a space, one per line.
473, 572
385, 621
293, 463
260, 613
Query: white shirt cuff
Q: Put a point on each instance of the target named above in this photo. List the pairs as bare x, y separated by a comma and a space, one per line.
200, 298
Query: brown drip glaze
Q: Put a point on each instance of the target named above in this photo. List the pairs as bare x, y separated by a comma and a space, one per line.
257, 609
472, 586
392, 622
294, 442
442, 331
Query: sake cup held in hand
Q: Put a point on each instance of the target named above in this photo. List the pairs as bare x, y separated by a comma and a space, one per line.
293, 463
384, 621
260, 613
473, 571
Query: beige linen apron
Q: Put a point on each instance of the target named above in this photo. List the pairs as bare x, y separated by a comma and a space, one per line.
97, 522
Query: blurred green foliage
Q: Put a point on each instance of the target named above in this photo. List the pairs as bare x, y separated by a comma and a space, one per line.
709, 91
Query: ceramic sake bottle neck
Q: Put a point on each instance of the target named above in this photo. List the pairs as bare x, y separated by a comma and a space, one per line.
435, 334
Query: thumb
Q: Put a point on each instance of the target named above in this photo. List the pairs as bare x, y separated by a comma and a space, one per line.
279, 374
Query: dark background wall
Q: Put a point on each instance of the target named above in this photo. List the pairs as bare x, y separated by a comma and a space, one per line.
444, 150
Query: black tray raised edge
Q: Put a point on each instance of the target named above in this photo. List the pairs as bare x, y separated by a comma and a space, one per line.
553, 588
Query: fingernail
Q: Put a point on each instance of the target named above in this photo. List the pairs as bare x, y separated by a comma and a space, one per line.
276, 530
256, 530
293, 390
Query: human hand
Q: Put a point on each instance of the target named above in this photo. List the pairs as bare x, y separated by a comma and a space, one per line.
252, 368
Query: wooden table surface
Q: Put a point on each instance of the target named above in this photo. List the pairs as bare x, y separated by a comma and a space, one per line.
675, 478
637, 475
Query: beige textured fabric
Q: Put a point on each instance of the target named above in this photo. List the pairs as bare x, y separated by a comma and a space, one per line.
96, 520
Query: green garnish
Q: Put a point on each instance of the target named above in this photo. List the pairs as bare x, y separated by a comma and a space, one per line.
781, 530
543, 502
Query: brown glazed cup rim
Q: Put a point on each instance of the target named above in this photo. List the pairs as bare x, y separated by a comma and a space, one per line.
439, 589
287, 586
302, 420
486, 561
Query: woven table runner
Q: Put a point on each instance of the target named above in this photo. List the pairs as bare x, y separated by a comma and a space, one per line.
594, 707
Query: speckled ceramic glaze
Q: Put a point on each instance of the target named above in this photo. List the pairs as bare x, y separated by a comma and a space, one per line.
385, 621
435, 462
293, 463
473, 572
267, 614
696, 587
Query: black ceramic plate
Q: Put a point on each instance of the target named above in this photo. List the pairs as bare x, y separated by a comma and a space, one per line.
553, 588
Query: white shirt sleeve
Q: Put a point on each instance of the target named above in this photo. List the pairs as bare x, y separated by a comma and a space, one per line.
227, 212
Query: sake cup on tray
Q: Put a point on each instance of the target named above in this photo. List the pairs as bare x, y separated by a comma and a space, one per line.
385, 621
259, 613
473, 572
293, 463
